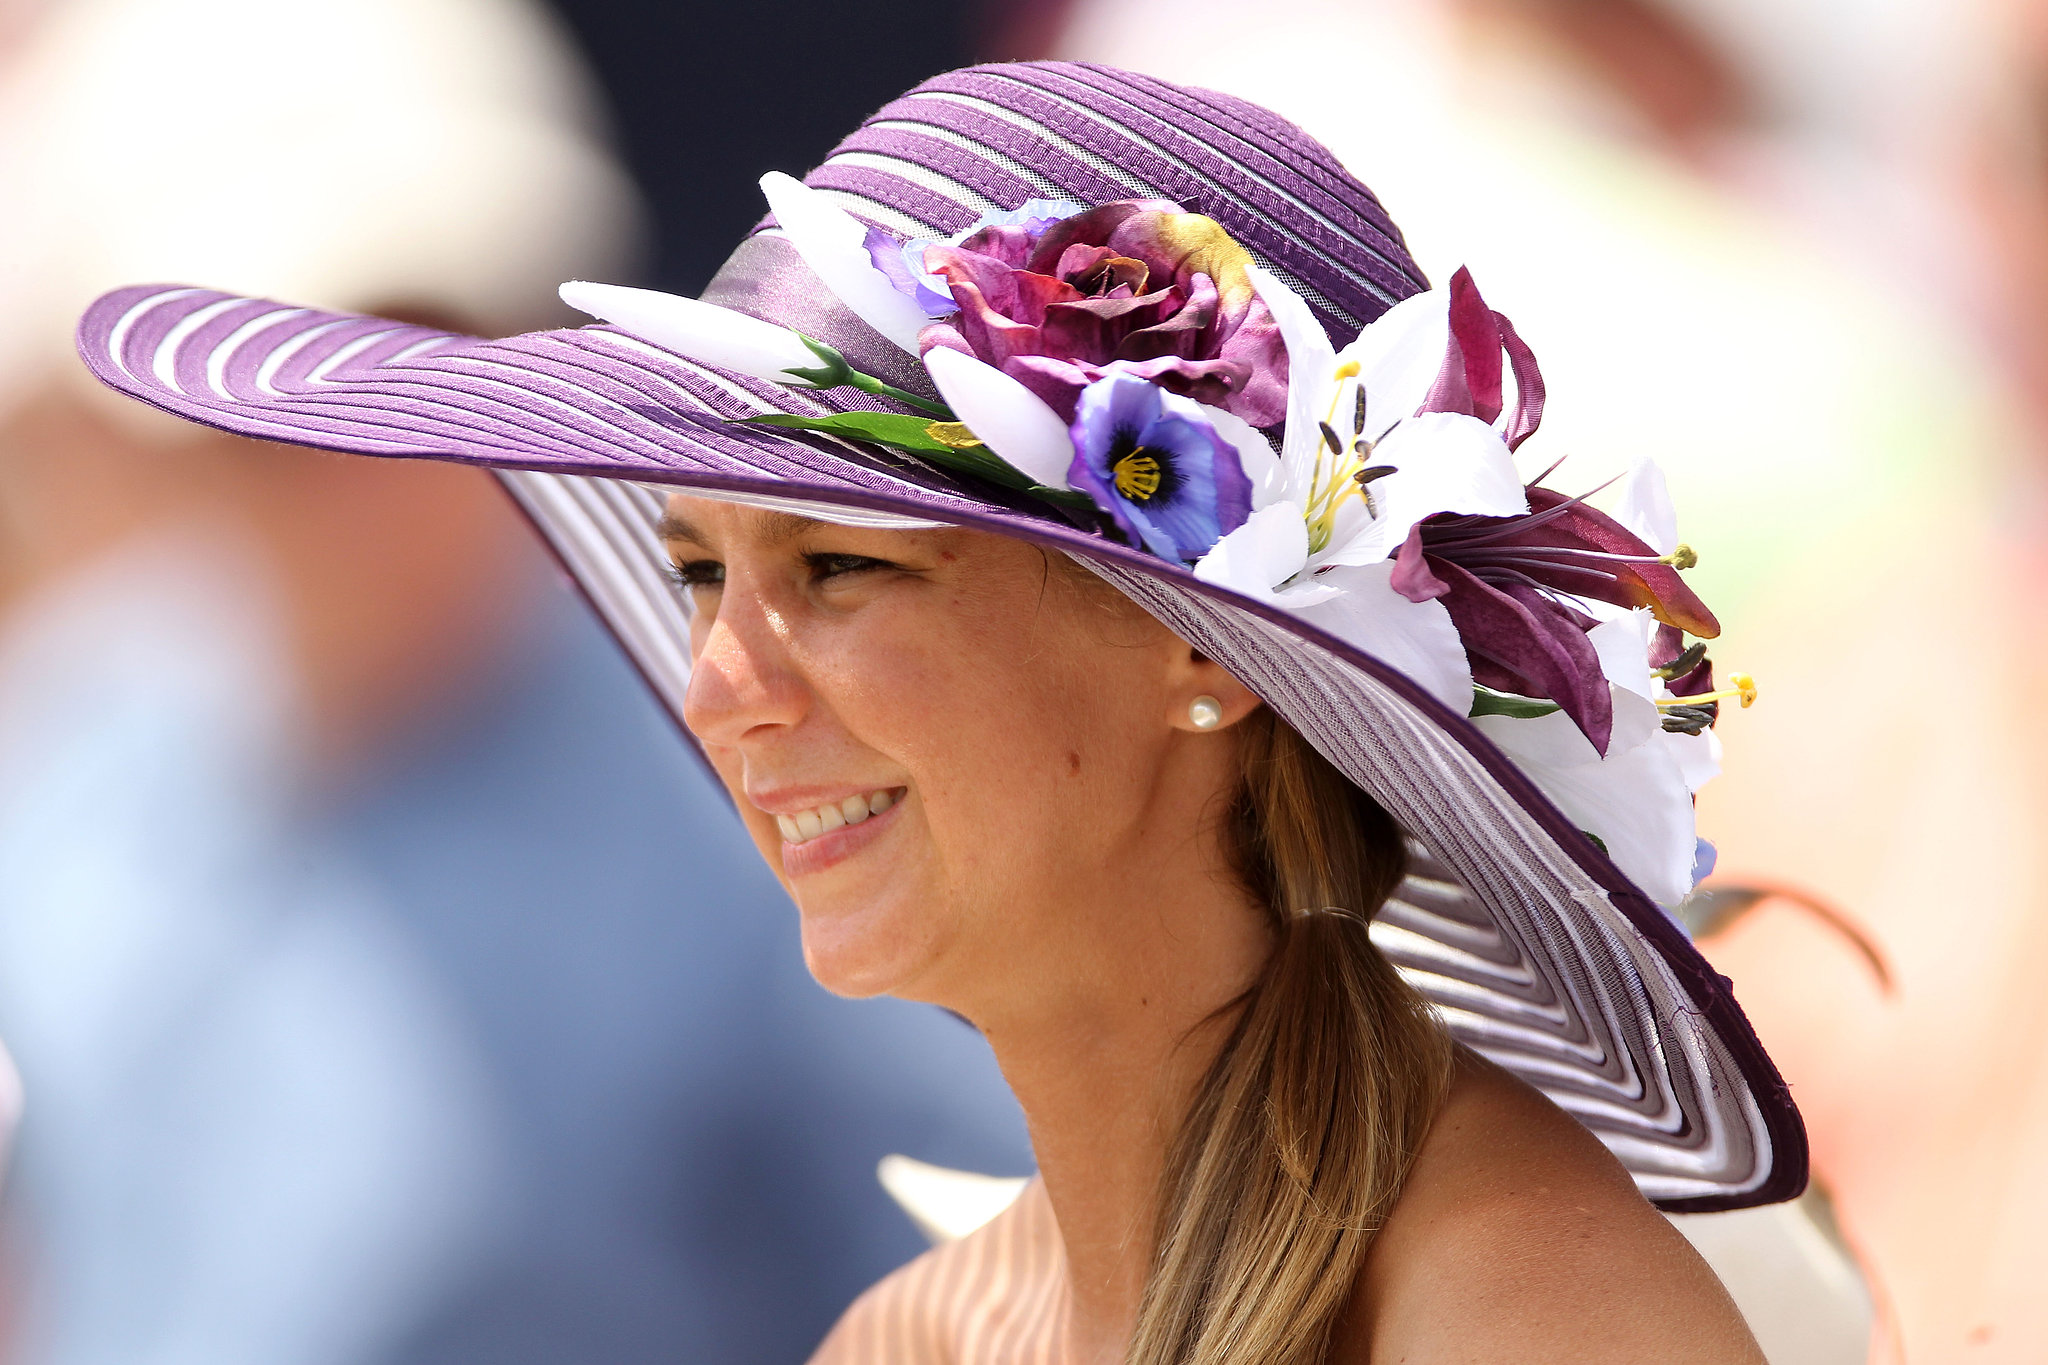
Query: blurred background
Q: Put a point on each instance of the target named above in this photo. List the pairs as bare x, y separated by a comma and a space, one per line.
386, 983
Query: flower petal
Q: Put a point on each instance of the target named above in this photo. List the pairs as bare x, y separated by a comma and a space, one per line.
1445, 463
1470, 381
1310, 361
1417, 638
1260, 555
833, 244
1527, 414
1635, 801
1255, 454
1698, 757
1538, 646
1010, 419
1627, 583
1411, 577
695, 330
1217, 495
1623, 644
907, 274
1645, 506
1399, 354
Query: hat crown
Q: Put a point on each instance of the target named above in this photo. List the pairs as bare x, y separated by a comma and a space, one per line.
988, 138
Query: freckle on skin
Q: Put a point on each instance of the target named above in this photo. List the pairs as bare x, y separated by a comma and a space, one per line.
1073, 764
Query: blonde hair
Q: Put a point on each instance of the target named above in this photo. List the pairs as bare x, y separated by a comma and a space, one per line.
1303, 1132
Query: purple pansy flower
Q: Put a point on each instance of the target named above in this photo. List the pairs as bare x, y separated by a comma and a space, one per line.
1156, 466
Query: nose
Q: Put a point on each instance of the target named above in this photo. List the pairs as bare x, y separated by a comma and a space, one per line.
744, 682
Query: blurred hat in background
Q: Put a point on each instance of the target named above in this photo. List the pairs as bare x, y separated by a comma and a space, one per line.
363, 154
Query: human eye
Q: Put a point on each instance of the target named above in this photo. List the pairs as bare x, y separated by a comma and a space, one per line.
827, 567
697, 573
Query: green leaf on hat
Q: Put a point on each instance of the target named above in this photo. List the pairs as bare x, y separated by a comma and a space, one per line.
942, 447
1487, 702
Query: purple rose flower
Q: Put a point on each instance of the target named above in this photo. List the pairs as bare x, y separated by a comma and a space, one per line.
903, 262
1157, 468
1137, 287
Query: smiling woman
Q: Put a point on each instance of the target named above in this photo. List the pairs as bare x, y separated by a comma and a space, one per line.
1127, 627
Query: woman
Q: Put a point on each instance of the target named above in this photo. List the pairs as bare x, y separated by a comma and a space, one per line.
1110, 597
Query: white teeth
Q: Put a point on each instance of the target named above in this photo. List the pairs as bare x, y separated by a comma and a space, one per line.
809, 824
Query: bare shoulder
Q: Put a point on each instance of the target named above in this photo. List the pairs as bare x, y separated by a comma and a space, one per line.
895, 1319
981, 1285
1519, 1237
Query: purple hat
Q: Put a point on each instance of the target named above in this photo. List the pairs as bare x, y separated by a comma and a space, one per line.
1116, 317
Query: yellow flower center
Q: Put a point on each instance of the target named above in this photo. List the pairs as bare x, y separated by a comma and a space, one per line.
1137, 475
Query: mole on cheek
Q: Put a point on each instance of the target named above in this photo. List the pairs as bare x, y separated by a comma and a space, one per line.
1073, 764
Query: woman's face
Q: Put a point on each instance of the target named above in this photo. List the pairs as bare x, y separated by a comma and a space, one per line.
954, 752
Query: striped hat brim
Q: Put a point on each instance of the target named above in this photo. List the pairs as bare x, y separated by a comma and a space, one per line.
1535, 949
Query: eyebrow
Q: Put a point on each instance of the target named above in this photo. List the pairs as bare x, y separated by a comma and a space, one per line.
776, 528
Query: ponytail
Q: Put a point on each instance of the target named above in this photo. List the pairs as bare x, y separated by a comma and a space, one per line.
1304, 1129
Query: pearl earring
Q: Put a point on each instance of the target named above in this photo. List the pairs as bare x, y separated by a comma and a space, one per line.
1205, 713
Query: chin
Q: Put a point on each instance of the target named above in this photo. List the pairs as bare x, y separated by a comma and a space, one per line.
874, 946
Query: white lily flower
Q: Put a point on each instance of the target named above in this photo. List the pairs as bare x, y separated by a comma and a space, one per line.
1012, 421
1416, 638
1245, 560
1698, 757
833, 244
1441, 462
1644, 506
1635, 801
1315, 542
696, 330
1622, 642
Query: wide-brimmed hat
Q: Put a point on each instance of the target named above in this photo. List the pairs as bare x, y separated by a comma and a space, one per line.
1535, 946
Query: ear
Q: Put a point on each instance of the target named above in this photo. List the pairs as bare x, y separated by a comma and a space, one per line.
1193, 674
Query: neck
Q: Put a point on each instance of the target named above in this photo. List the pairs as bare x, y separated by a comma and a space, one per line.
1105, 1083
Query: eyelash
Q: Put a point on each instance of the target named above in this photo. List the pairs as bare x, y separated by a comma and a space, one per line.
698, 573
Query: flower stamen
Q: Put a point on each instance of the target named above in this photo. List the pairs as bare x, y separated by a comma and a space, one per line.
1739, 685
1339, 466
1138, 475
1683, 557
1683, 664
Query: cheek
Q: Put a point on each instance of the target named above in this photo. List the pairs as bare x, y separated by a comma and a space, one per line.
731, 769
1029, 770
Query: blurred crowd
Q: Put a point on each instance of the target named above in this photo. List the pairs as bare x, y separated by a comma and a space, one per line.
386, 983
386, 980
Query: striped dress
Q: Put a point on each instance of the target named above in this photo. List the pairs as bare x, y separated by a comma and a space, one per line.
995, 1297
